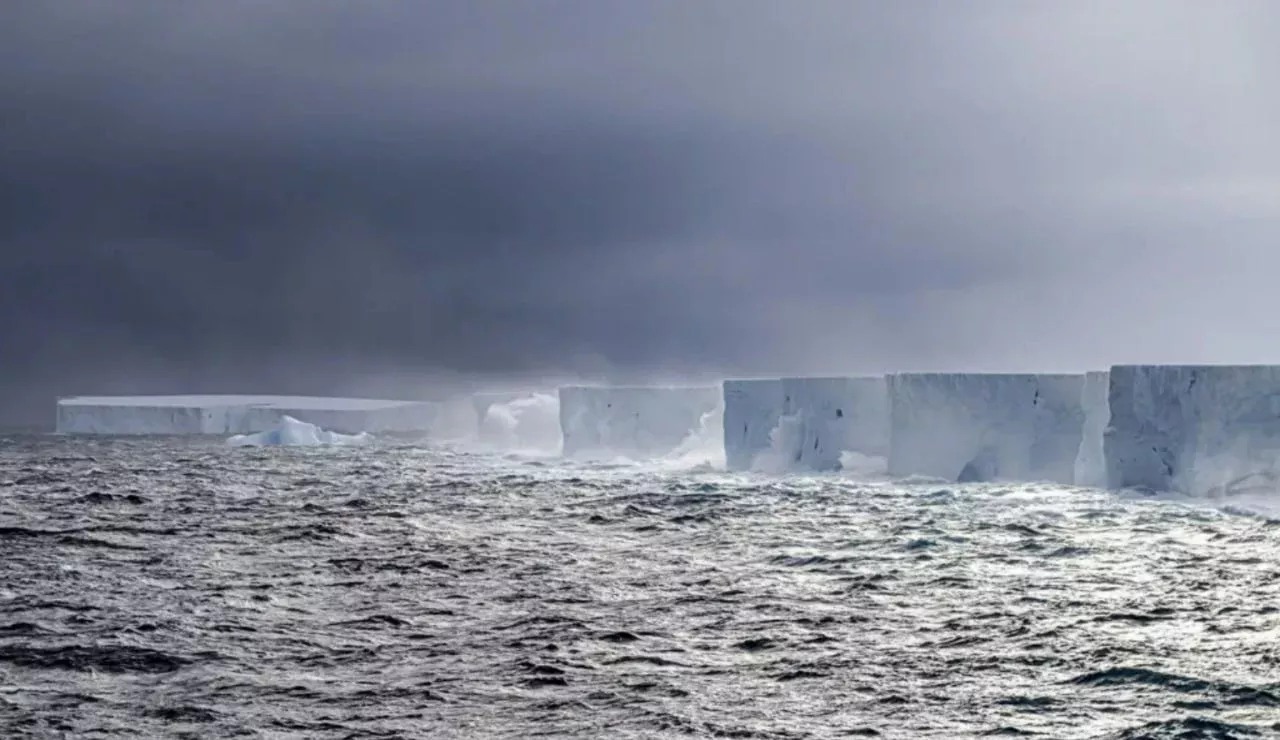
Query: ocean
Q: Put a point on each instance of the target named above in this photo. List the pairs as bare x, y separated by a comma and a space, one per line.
181, 588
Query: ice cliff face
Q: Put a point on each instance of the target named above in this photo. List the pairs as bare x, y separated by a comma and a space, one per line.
752, 409
643, 422
837, 415
1091, 468
1193, 429
803, 424
222, 415
984, 427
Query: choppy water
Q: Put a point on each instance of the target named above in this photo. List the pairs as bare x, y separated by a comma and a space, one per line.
181, 589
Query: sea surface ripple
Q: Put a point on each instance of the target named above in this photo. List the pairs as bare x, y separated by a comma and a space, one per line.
162, 588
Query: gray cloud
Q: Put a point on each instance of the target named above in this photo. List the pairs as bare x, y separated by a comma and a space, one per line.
216, 195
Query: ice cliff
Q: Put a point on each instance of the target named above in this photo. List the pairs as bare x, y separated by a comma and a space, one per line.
803, 424
1192, 428
230, 414
635, 421
983, 427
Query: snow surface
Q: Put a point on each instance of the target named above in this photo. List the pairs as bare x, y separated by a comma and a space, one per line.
632, 421
1193, 429
290, 432
803, 424
984, 427
236, 414
1091, 466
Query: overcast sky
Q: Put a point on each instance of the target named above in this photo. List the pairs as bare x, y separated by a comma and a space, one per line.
329, 196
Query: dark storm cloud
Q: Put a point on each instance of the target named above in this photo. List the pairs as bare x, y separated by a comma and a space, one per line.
305, 196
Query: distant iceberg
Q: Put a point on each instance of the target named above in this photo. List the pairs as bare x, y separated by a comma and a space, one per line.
293, 433
238, 414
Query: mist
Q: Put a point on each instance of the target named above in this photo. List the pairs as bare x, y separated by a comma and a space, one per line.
391, 199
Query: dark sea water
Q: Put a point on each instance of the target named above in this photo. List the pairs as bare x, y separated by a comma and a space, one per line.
156, 588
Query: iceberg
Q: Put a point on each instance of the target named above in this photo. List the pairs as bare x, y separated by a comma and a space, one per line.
236, 414
803, 424
1193, 429
290, 432
641, 422
752, 410
969, 427
1091, 467
836, 416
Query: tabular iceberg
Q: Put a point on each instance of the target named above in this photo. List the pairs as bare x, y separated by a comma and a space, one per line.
1192, 428
982, 427
837, 415
631, 420
752, 410
290, 432
231, 414
803, 424
1091, 467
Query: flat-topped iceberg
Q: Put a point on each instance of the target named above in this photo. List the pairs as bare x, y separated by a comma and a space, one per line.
290, 432
972, 427
803, 424
1193, 429
237, 414
753, 409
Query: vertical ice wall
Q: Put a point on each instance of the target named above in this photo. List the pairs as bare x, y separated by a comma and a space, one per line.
631, 420
1192, 428
981, 427
803, 424
837, 415
231, 414
1091, 467
102, 416
752, 409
